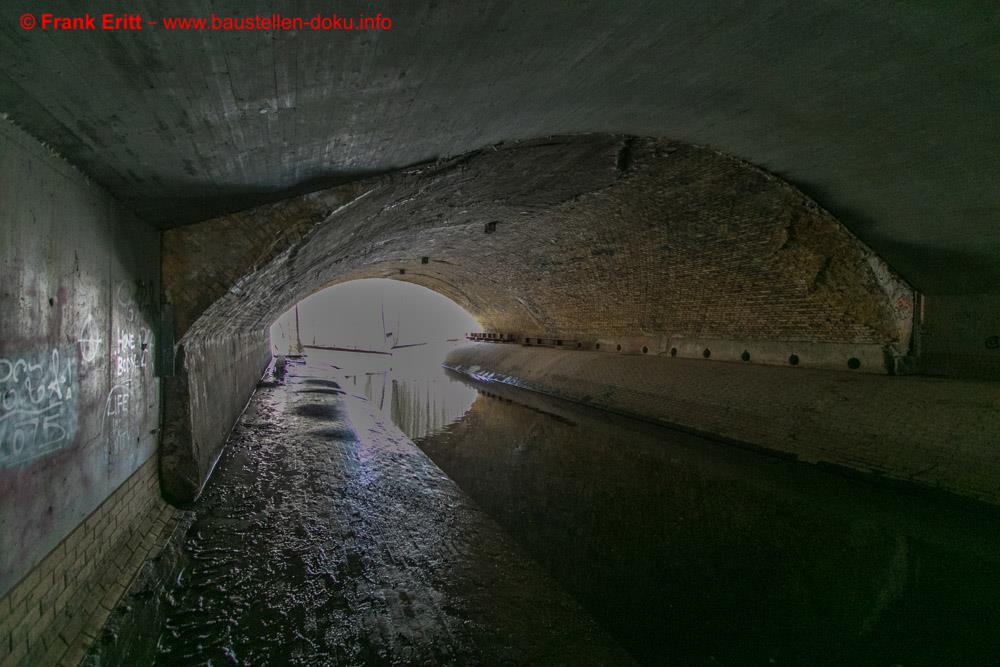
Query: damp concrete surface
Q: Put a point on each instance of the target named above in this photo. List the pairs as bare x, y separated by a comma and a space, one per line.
324, 537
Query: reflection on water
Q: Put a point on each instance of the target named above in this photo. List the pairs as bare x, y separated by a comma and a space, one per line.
691, 552
409, 387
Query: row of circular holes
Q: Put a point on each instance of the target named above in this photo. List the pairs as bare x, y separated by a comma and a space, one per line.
852, 363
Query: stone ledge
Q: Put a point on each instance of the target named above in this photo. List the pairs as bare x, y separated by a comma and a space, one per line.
927, 431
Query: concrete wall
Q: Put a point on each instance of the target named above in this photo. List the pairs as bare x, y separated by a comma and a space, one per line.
214, 378
79, 400
933, 432
961, 336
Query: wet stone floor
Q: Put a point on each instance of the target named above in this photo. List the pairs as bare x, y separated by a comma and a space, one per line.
325, 537
520, 529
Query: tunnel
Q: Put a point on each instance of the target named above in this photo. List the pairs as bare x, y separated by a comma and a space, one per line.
733, 272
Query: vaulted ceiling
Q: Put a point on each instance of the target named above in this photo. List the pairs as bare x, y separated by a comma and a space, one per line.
888, 114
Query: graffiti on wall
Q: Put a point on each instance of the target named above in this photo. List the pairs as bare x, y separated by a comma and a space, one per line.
39, 391
38, 405
90, 340
131, 350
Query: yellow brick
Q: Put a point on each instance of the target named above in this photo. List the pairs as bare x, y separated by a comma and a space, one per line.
16, 656
24, 588
20, 632
74, 540
6, 628
94, 623
74, 655
56, 649
7, 625
71, 630
84, 571
90, 604
63, 598
49, 563
42, 627
47, 599
149, 541
92, 522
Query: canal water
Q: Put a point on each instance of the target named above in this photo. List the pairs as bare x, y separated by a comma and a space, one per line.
543, 532
693, 552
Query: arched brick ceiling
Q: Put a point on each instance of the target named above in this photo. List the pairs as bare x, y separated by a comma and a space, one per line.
588, 237
885, 113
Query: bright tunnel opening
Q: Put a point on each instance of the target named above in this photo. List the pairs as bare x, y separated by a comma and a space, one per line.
385, 341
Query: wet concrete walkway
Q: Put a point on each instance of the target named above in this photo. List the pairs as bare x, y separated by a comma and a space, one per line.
327, 537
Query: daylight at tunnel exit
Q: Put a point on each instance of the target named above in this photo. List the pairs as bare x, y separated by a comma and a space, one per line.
401, 332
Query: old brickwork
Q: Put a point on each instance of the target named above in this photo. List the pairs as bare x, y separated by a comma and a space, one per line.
206, 254
643, 243
57, 610
592, 236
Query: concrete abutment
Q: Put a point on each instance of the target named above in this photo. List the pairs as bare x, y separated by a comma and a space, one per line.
80, 400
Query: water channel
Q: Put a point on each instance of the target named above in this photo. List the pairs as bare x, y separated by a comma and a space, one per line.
650, 544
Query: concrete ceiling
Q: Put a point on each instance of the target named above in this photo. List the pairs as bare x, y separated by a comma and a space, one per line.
888, 114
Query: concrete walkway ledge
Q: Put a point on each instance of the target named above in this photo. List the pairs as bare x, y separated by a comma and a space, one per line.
937, 433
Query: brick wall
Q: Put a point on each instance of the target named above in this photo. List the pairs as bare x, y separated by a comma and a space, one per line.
591, 237
54, 613
581, 236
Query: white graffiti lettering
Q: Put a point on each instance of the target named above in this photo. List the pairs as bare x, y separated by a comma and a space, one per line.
123, 297
131, 351
37, 406
130, 348
89, 340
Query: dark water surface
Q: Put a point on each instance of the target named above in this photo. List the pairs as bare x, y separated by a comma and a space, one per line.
693, 552
327, 538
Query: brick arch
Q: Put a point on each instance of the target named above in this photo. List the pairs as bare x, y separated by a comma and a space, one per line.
641, 242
